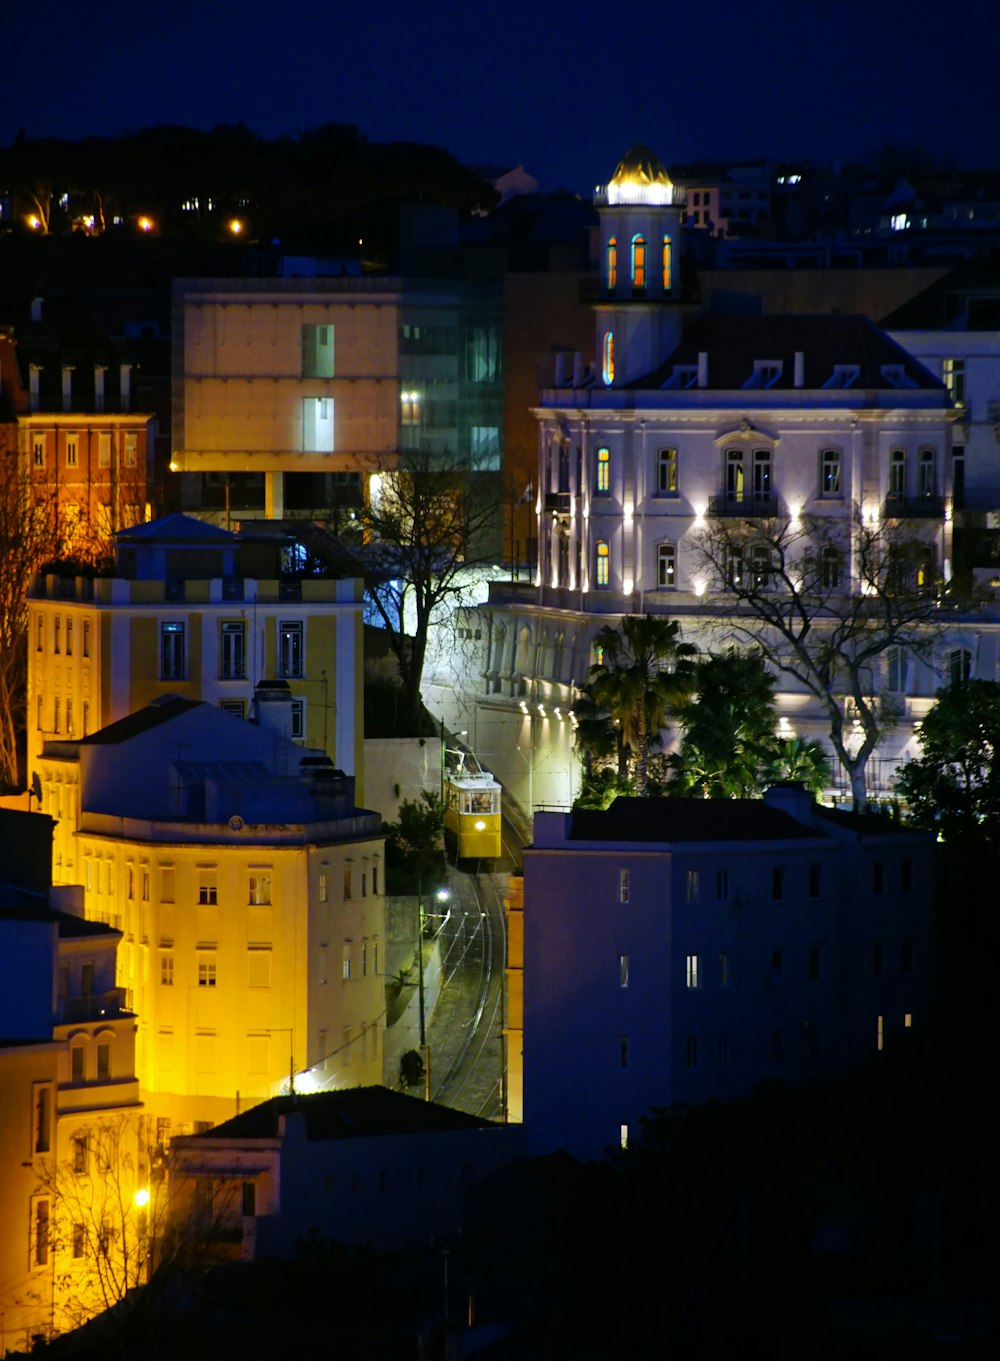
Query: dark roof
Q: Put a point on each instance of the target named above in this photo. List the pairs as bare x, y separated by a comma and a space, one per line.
945, 304
867, 824
72, 927
353, 1113
175, 529
18, 905
734, 342
669, 820
161, 710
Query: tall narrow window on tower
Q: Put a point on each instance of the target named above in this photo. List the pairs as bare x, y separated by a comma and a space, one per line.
609, 357
603, 564
612, 269
667, 263
638, 262
603, 487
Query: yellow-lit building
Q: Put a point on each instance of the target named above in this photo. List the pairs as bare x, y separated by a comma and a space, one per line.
196, 611
249, 890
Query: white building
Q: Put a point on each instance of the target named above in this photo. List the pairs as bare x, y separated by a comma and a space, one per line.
686, 417
686, 950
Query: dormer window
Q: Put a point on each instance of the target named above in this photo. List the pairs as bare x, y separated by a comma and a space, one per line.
683, 376
766, 373
843, 376
895, 376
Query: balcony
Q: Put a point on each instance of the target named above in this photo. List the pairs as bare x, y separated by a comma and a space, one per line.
743, 504
913, 508
95, 1007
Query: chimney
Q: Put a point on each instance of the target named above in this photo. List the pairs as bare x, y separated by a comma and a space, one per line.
36, 309
272, 707
578, 369
126, 387
34, 379
799, 375
67, 387
703, 368
99, 372
562, 369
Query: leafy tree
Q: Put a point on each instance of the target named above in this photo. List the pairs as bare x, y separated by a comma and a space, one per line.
955, 784
428, 521
643, 674
824, 598
414, 845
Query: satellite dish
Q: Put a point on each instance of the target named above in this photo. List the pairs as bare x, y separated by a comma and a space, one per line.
236, 823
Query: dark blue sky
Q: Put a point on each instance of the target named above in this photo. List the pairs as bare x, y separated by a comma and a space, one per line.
564, 88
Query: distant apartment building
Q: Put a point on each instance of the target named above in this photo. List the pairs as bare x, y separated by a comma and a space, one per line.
290, 394
249, 890
196, 611
682, 951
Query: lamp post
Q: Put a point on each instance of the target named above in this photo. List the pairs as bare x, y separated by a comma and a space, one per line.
424, 1052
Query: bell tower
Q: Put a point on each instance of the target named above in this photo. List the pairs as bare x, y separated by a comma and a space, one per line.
638, 313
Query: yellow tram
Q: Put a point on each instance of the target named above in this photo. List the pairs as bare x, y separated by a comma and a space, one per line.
471, 807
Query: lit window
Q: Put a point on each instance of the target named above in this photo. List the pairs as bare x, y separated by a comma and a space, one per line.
322, 887
612, 262
259, 894
829, 478
104, 450
72, 451
693, 971
603, 563
172, 662
666, 472
603, 471
346, 965
953, 373
623, 1136
317, 351
880, 1033
289, 649
638, 262
317, 425
666, 566
667, 264
609, 358
734, 475
38, 451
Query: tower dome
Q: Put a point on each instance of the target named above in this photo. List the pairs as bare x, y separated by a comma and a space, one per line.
640, 178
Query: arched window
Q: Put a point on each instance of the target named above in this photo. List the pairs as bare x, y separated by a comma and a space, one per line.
612, 262
603, 564
666, 566
927, 485
609, 357
897, 475
667, 263
638, 262
603, 487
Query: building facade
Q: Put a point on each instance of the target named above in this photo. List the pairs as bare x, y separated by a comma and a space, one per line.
682, 951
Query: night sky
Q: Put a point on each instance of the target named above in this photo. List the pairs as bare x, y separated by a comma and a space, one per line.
562, 88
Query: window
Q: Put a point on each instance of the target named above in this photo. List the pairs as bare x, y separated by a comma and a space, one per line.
317, 425
317, 351
409, 407
960, 666
623, 886
734, 475
208, 888
692, 886
130, 450
166, 970
104, 1062
167, 884
880, 1033
298, 719
814, 963
364, 959
41, 1232
761, 476
77, 1057
722, 886
69, 637
249, 1191
39, 634
829, 473
172, 662
623, 971
666, 472
207, 971
57, 637
693, 971
346, 963
484, 354
375, 879
778, 883
638, 262
666, 567
612, 262
72, 451
895, 670
603, 487
104, 450
958, 476
86, 637
603, 564
289, 648
927, 481
38, 451
347, 883
608, 361
79, 1241
259, 890
897, 474
760, 566
667, 264
831, 564
691, 1053
43, 1119
724, 969
233, 651
953, 374
322, 887
55, 715
485, 448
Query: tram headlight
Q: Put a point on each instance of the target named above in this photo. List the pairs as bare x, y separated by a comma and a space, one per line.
480, 826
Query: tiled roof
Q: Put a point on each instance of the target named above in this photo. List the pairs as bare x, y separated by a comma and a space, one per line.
734, 343
353, 1113
175, 529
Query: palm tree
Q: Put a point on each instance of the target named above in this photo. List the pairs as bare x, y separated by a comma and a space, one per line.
643, 674
729, 750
